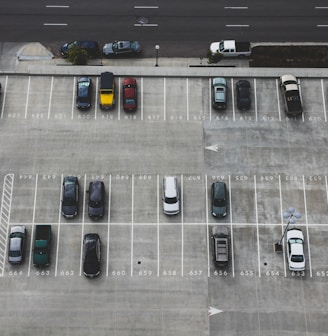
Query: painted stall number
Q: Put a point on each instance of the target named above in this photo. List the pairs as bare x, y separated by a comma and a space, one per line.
272, 273
170, 273
118, 273
321, 273
195, 272
298, 273
145, 273
42, 273
247, 273
220, 273
67, 273
15, 273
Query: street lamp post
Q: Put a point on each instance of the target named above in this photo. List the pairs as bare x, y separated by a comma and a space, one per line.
291, 216
157, 49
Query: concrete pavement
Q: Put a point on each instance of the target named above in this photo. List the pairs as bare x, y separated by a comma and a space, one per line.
35, 59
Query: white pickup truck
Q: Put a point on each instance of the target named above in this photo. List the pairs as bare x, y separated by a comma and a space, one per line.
231, 48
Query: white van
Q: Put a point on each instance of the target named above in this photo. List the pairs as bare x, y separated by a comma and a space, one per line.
171, 196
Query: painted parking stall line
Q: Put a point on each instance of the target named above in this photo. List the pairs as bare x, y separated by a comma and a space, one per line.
4, 94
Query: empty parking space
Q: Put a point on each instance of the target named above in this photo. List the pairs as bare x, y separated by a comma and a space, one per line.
154, 99
267, 99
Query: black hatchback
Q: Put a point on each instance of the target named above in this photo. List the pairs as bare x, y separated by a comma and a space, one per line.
70, 196
92, 255
83, 93
96, 206
243, 88
219, 199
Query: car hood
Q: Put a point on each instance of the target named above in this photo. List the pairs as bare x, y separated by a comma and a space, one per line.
92, 268
171, 208
108, 48
69, 210
219, 211
96, 212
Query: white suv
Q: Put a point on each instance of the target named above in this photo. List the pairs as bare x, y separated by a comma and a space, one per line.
171, 195
295, 243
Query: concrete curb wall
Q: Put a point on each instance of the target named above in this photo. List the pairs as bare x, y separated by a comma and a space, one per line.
53, 70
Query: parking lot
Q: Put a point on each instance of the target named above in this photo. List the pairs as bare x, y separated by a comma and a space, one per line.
158, 275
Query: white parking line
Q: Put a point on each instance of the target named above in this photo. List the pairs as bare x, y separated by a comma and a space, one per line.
323, 101
27, 95
282, 226
232, 100
300, 89
182, 226
59, 222
73, 98
326, 184
231, 231
164, 102
255, 100
278, 101
119, 100
108, 221
83, 222
132, 220
157, 219
187, 102
50, 95
307, 228
33, 225
142, 101
210, 98
257, 229
96, 97
207, 229
4, 97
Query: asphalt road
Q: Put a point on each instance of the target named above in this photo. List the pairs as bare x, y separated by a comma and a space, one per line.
181, 28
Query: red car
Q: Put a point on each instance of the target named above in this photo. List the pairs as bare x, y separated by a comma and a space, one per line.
130, 102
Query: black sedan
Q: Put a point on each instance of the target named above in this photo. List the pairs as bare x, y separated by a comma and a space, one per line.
96, 207
92, 255
70, 196
243, 88
83, 93
124, 48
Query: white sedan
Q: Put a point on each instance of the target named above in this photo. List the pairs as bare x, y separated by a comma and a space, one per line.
295, 249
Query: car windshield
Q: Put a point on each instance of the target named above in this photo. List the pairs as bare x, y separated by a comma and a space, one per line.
171, 200
297, 258
296, 241
130, 101
16, 253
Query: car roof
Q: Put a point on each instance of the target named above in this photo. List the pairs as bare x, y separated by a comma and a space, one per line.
219, 189
170, 186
